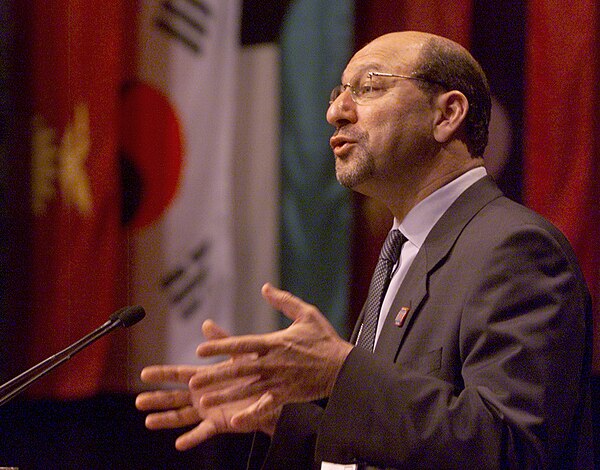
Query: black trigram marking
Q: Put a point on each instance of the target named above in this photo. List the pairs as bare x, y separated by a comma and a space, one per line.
184, 283
186, 21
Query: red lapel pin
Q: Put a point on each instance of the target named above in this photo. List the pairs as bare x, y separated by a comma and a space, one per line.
402, 314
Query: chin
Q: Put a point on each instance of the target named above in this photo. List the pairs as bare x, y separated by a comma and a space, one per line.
352, 176
350, 181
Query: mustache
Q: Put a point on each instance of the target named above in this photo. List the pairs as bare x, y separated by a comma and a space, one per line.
349, 134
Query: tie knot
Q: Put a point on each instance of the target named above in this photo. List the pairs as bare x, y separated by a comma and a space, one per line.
392, 245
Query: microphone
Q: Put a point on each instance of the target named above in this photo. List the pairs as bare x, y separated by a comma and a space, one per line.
125, 317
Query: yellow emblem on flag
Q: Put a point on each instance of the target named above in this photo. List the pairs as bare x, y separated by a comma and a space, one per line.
63, 164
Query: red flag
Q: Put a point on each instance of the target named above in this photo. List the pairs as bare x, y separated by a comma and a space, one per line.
76, 71
561, 161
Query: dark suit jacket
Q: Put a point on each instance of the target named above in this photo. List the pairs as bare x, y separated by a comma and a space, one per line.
490, 368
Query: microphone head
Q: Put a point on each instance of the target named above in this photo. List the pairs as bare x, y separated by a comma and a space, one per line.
129, 315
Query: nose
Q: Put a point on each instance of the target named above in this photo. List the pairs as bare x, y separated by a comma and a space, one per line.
342, 110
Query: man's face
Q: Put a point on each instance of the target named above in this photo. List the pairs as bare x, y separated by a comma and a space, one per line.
384, 140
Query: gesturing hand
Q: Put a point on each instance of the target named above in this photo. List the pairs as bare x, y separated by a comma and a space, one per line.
297, 364
179, 408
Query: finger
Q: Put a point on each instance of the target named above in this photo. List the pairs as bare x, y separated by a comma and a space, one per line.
292, 307
211, 330
205, 430
237, 372
162, 400
172, 419
242, 390
167, 374
234, 345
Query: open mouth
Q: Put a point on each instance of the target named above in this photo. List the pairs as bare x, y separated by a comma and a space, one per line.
340, 144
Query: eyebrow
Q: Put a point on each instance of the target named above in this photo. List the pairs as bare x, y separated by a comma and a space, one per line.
378, 67
370, 67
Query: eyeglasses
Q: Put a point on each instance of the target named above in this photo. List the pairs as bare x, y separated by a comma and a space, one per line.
369, 90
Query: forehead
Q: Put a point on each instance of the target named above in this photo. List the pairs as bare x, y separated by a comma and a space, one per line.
397, 55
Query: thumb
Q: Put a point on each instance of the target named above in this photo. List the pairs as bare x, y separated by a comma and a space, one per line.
291, 306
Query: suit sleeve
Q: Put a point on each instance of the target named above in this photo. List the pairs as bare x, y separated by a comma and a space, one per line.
292, 445
521, 345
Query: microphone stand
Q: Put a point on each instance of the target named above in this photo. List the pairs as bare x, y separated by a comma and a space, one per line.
124, 317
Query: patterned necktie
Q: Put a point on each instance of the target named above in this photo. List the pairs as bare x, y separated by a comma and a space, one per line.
381, 278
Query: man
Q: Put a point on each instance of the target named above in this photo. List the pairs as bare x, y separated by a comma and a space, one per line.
482, 347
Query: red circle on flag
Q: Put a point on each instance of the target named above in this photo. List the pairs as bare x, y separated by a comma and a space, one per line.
152, 145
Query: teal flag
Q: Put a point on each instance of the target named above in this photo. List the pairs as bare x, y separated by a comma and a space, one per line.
317, 41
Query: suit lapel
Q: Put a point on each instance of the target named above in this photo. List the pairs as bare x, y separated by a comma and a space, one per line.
437, 245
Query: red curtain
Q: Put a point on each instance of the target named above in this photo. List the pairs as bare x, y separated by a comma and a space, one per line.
561, 161
451, 18
76, 250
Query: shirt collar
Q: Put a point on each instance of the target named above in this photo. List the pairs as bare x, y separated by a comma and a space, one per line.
420, 220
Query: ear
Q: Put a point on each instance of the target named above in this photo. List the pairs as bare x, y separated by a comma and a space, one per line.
451, 110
